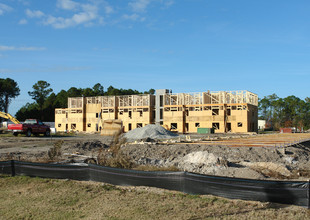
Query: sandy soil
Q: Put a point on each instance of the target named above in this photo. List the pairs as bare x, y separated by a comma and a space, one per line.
291, 162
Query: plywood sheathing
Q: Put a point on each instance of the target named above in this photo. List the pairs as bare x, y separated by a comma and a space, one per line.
135, 110
234, 111
61, 119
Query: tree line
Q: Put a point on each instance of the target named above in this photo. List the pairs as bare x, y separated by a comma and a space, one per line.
285, 112
278, 112
45, 100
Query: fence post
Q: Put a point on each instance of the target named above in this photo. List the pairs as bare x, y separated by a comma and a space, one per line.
12, 168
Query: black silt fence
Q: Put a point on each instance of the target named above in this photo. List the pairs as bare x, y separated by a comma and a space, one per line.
116, 176
286, 192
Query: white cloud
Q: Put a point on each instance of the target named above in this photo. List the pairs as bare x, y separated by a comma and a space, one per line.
133, 17
67, 4
167, 3
23, 2
34, 14
139, 5
108, 9
12, 48
4, 8
88, 14
23, 21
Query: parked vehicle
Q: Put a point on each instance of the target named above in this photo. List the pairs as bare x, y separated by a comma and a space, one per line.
30, 126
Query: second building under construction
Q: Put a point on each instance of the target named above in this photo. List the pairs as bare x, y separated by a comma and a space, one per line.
223, 111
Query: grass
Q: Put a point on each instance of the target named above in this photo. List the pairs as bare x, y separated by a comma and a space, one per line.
7, 134
35, 198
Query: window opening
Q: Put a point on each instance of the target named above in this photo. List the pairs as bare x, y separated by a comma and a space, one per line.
228, 112
215, 112
174, 126
228, 127
216, 126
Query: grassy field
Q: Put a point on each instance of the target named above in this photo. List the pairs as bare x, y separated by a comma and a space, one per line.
35, 198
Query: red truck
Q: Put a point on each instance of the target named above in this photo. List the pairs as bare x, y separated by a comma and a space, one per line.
30, 126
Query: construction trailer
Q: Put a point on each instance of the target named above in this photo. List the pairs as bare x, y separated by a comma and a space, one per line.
223, 111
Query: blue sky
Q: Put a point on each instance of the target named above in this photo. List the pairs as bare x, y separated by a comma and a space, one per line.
184, 45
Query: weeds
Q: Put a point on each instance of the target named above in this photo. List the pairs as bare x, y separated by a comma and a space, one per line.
55, 151
109, 187
270, 173
113, 156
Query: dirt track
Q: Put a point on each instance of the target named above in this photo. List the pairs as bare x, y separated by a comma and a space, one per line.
291, 162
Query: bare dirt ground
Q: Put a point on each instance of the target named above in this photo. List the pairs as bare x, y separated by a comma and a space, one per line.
271, 162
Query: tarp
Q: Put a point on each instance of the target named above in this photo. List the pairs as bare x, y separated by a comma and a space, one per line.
287, 192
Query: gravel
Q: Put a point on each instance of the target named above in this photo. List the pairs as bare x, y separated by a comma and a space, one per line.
150, 131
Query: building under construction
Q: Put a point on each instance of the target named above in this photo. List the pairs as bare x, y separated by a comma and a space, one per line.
223, 111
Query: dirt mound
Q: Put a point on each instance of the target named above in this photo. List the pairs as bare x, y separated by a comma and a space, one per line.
201, 157
90, 145
150, 131
269, 168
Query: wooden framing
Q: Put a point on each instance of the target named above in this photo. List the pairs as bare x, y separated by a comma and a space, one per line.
232, 111
135, 110
225, 111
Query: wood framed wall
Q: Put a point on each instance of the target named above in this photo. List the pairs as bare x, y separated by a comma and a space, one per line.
234, 111
61, 119
225, 111
135, 110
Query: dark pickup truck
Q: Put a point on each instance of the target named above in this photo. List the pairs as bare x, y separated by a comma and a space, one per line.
30, 126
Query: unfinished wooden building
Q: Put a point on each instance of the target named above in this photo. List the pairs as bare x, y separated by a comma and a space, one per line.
234, 111
225, 111
135, 110
89, 113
